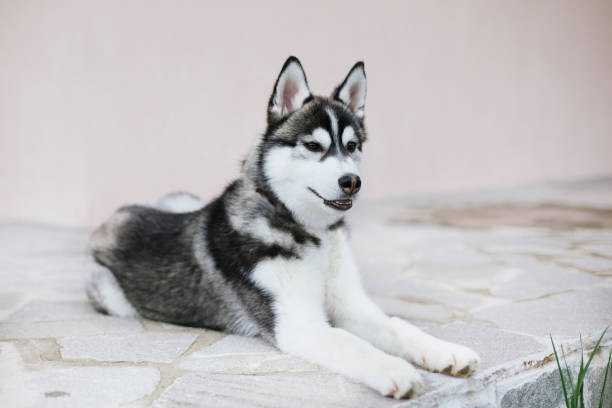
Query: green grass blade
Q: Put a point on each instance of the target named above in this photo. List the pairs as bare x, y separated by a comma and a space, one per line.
567, 404
603, 388
583, 370
581, 393
595, 349
569, 372
577, 388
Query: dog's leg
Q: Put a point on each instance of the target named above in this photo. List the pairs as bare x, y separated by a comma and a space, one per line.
106, 295
351, 309
301, 329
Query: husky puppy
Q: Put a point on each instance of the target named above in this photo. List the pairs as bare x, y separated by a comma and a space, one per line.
270, 256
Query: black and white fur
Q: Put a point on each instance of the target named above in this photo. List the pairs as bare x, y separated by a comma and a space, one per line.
270, 256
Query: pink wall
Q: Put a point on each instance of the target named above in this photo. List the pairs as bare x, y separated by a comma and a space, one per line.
107, 102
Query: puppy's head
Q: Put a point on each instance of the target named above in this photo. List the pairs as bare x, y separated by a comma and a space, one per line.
310, 155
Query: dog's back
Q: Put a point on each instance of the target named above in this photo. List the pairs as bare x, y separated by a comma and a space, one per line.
156, 264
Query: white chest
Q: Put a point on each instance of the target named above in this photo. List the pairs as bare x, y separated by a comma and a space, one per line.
299, 283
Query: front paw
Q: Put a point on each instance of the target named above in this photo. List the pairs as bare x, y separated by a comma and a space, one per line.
449, 358
398, 379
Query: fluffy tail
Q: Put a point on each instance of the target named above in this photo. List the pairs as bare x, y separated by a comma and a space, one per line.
179, 203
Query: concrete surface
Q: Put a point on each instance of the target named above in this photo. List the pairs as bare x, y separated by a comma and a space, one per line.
496, 270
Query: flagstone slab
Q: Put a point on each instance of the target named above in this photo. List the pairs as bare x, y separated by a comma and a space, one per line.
92, 387
566, 314
155, 347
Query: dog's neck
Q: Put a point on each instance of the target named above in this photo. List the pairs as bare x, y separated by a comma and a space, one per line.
267, 196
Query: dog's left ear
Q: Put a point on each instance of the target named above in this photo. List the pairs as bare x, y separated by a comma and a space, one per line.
290, 91
352, 91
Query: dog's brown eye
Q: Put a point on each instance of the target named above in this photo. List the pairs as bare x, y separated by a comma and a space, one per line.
313, 147
351, 146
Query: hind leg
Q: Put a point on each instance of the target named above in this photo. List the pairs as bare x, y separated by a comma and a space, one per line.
106, 295
179, 203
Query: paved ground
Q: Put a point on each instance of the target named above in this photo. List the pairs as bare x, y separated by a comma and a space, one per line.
496, 270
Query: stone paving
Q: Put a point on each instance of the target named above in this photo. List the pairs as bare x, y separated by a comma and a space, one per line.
495, 270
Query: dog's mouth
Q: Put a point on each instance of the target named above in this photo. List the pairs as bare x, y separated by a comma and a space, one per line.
342, 205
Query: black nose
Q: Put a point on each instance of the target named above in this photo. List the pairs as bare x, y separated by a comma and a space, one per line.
350, 183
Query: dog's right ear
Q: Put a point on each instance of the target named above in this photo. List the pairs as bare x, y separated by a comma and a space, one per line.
290, 91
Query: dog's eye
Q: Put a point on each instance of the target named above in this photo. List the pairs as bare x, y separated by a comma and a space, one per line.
313, 146
351, 146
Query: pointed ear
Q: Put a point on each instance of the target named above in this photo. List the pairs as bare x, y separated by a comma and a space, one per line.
290, 91
352, 91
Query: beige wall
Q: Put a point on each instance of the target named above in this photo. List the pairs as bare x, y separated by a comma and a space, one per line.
112, 101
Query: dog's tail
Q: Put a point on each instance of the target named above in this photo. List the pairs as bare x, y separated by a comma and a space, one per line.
179, 203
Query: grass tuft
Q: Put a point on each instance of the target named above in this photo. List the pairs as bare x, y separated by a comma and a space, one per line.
573, 392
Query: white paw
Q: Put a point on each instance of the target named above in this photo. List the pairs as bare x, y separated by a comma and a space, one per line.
396, 378
448, 358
